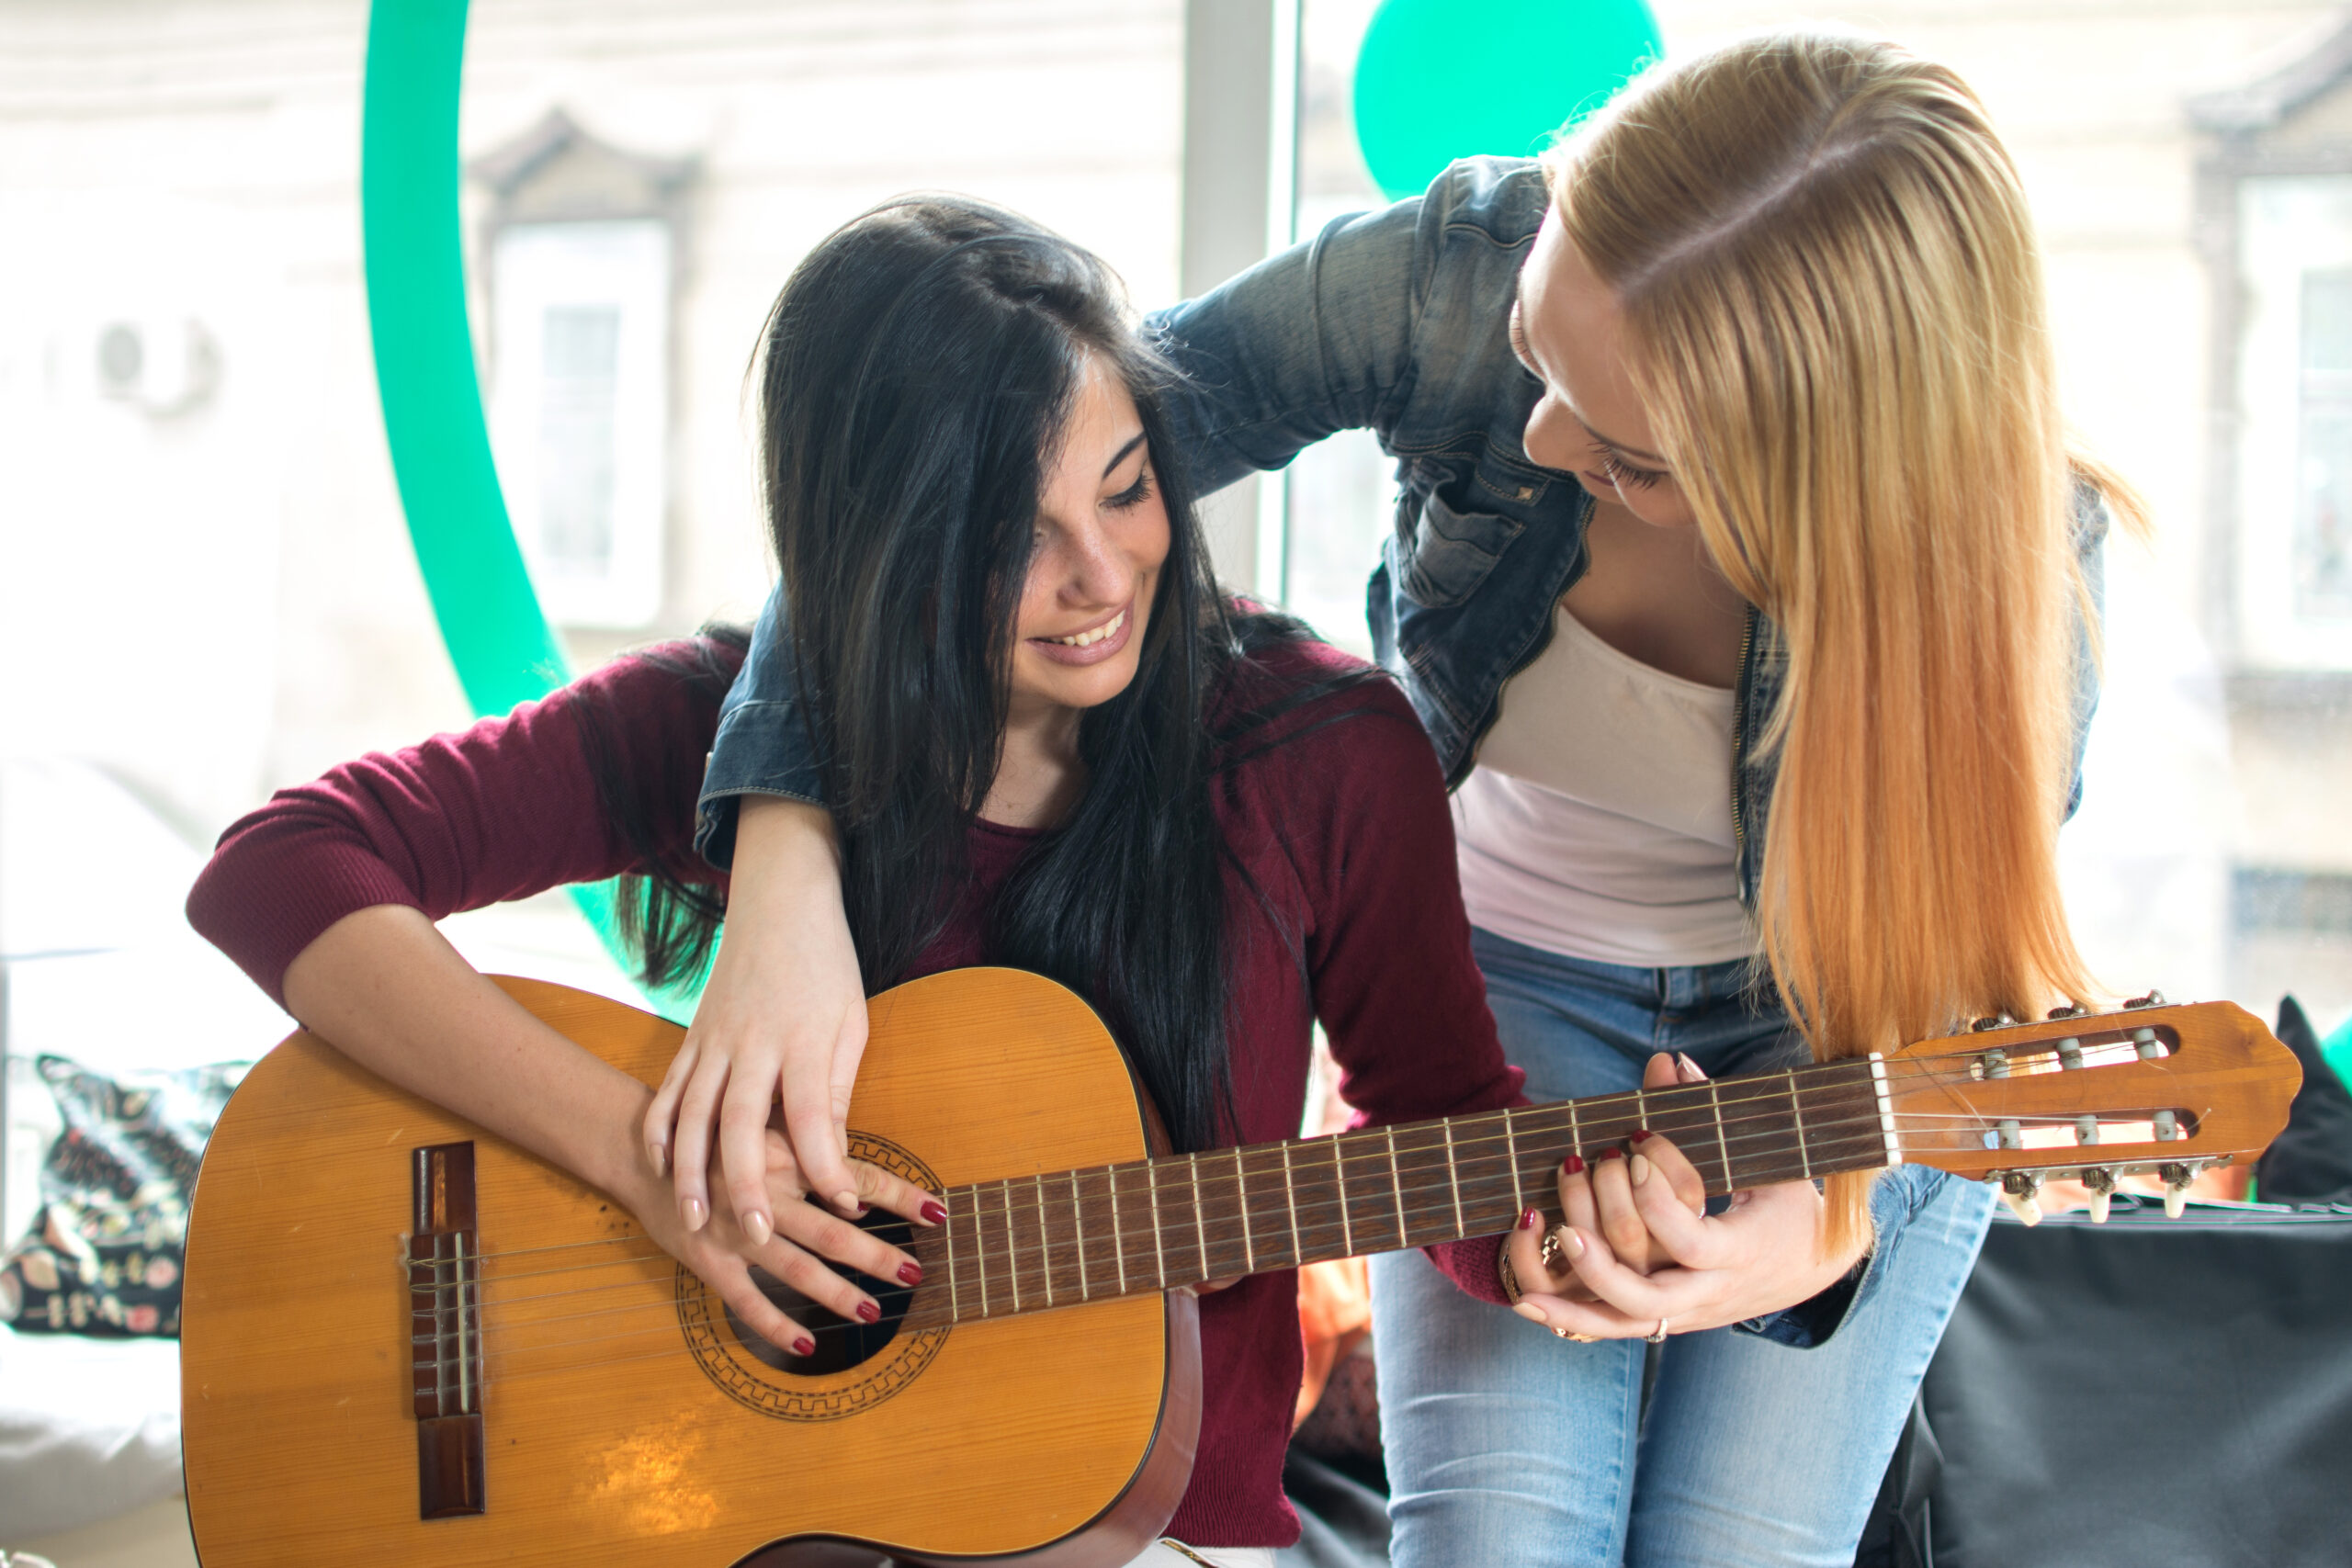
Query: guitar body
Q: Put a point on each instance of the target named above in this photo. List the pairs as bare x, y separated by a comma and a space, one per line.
617, 1406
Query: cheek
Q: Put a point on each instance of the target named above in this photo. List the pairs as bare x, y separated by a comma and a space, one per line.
1146, 538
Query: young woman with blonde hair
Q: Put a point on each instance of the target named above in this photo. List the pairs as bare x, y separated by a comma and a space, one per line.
1744, 584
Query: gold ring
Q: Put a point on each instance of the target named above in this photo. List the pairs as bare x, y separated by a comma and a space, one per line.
1549, 1256
1579, 1339
1657, 1336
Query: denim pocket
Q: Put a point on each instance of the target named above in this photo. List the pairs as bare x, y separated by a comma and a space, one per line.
1449, 553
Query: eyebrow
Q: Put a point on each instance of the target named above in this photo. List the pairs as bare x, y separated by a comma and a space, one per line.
1120, 456
1518, 309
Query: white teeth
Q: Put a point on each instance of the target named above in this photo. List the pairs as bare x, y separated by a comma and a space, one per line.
1088, 640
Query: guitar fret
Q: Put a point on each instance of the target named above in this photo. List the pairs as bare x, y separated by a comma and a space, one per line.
1158, 1253
1077, 1223
1118, 1236
1290, 1198
1397, 1187
1510, 1152
947, 1236
1011, 1247
1200, 1221
1796, 1112
1722, 1145
1576, 1138
1044, 1263
1241, 1201
980, 1251
1452, 1178
1339, 1184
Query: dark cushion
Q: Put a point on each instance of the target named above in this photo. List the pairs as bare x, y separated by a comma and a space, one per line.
2147, 1392
102, 1255
2311, 1162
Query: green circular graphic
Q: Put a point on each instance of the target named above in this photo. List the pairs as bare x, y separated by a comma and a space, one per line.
498, 638
1439, 80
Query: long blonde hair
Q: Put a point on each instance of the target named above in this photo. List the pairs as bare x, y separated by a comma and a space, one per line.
1832, 286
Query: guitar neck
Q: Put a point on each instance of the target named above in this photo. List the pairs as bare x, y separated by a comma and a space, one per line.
1028, 1244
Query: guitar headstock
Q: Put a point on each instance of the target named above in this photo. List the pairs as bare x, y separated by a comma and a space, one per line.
2148, 1087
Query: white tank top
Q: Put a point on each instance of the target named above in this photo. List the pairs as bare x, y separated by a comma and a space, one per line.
1598, 821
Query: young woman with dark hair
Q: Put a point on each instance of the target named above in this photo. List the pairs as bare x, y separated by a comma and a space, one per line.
1056, 745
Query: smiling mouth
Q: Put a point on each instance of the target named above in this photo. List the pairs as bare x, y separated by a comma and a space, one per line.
1089, 638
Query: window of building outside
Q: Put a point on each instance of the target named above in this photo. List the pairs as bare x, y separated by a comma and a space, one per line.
2295, 469
578, 410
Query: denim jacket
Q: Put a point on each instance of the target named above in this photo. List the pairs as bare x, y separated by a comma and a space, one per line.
1395, 321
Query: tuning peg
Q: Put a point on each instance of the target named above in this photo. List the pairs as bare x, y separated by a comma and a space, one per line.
2176, 1180
2155, 999
2144, 1042
1997, 1063
2072, 1009
2021, 1190
2070, 1053
1998, 1021
2102, 1181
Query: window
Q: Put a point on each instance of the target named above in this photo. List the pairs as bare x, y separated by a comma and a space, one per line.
579, 410
2295, 580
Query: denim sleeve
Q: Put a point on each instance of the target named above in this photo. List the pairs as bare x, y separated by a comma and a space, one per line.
763, 745
1316, 339
2092, 522
1927, 1225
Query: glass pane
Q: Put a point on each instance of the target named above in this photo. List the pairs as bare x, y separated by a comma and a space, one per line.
579, 357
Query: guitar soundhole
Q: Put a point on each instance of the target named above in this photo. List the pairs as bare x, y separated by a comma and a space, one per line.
841, 1343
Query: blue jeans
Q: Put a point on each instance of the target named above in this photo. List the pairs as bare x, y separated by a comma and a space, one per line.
1506, 1445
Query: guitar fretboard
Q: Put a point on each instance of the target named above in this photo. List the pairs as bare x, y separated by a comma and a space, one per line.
1033, 1243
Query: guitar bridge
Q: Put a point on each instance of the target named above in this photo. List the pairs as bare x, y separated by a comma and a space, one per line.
445, 1333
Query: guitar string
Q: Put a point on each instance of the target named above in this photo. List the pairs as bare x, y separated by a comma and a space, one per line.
505, 1346
1859, 1126
1321, 1231
1219, 1186
1591, 1107
499, 1339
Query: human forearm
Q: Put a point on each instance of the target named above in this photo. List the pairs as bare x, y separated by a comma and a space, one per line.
387, 990
784, 1016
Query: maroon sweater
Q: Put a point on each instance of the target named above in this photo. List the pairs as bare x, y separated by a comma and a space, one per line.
1342, 828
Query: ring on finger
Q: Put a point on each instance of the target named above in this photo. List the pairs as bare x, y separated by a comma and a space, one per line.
1579, 1339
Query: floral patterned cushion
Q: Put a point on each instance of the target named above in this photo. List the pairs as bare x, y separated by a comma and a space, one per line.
102, 1255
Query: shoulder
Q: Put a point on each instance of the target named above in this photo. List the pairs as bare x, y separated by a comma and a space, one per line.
1296, 703
1498, 200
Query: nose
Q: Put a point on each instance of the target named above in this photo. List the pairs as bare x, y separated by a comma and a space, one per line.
1092, 569
1550, 437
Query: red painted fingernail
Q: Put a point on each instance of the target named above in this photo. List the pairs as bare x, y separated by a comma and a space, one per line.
1573, 1165
911, 1273
1530, 1220
934, 1214
1641, 1134
804, 1345
869, 1311
1613, 1154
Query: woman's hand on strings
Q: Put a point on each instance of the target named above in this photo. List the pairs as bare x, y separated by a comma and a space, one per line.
723, 1253
783, 1021
1638, 1250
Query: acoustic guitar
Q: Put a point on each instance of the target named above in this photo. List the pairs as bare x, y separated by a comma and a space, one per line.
405, 1342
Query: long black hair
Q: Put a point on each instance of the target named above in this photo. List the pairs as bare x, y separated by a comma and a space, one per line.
914, 379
